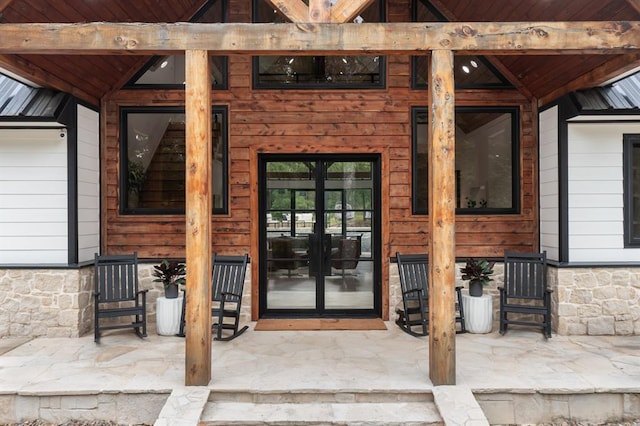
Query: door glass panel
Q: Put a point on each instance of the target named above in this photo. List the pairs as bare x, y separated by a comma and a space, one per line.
348, 222
290, 217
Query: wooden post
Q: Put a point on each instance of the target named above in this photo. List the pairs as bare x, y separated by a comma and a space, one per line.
198, 217
442, 210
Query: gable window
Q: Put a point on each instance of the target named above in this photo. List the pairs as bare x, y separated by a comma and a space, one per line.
317, 72
469, 72
631, 155
153, 160
486, 156
167, 72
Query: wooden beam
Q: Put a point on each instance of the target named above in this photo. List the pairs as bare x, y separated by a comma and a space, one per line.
348, 10
4, 4
198, 217
442, 213
635, 4
508, 38
595, 77
319, 11
294, 10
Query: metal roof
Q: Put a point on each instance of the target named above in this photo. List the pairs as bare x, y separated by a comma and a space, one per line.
19, 100
621, 95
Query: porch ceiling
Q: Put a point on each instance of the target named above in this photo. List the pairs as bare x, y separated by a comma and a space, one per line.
90, 77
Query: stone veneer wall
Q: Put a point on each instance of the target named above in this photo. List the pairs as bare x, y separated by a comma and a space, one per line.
596, 301
59, 302
585, 301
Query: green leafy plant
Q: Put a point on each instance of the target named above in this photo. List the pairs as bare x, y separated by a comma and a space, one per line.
477, 270
137, 176
170, 273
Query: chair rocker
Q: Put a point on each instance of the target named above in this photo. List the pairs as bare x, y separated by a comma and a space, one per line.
525, 292
413, 269
117, 295
227, 285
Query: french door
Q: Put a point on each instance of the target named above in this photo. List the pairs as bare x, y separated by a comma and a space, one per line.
319, 235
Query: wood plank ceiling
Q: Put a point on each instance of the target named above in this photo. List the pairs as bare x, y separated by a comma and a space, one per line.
91, 77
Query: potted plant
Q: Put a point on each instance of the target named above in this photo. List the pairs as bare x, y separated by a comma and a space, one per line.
171, 274
137, 177
478, 272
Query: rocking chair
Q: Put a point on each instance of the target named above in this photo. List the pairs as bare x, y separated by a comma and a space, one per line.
413, 269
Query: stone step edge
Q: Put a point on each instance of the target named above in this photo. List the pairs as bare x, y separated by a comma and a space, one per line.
315, 396
458, 406
388, 413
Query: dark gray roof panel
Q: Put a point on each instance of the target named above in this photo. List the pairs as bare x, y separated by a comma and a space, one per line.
20, 100
621, 95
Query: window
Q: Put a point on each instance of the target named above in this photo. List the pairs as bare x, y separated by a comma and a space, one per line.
153, 160
469, 72
486, 160
632, 190
317, 72
167, 72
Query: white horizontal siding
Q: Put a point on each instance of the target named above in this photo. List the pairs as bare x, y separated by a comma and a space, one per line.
596, 204
33, 196
88, 214
549, 184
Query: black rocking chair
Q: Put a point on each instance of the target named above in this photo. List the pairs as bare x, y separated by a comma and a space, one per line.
227, 285
525, 292
117, 295
413, 269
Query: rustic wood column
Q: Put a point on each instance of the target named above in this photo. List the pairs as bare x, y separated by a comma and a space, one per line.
198, 218
442, 210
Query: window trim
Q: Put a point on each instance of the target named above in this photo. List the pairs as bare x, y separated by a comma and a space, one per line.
124, 157
630, 141
515, 161
255, 68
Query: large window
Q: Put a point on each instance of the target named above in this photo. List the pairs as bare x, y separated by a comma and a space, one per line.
486, 160
632, 190
324, 72
153, 160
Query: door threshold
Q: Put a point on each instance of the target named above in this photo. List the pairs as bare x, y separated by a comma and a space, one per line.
320, 324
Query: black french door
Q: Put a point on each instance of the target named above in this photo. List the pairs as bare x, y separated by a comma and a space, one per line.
319, 235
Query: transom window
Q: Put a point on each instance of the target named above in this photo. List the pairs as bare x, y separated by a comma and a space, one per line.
167, 72
486, 160
632, 190
326, 72
153, 163
469, 72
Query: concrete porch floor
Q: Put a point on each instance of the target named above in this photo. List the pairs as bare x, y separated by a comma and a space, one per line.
513, 377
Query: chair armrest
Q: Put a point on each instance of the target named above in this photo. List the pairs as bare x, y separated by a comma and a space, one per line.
459, 287
146, 290
225, 294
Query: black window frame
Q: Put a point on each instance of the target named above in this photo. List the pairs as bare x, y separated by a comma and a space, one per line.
222, 110
630, 142
515, 163
380, 85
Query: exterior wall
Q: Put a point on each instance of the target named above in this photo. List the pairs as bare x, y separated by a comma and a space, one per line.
596, 218
597, 301
88, 137
549, 184
33, 196
45, 302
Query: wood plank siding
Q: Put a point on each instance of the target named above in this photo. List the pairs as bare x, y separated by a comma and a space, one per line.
319, 121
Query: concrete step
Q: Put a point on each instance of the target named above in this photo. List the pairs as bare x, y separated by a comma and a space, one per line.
321, 408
